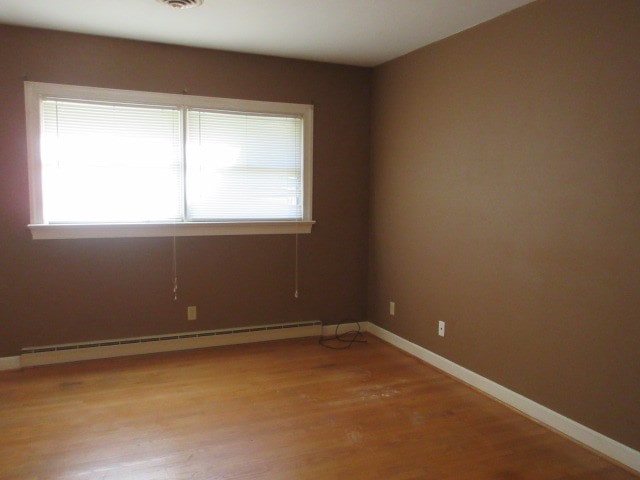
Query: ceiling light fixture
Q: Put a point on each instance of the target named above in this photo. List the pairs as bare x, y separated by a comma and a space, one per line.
182, 4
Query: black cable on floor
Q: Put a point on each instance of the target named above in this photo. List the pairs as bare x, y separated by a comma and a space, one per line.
348, 338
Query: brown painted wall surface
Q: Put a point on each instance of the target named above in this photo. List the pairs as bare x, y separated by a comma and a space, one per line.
77, 290
506, 202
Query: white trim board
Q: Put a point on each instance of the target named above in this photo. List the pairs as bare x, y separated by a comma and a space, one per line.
182, 229
576, 431
9, 363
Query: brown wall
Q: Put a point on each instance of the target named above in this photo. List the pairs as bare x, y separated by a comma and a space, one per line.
506, 202
76, 290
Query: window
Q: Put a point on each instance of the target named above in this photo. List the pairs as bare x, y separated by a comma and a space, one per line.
115, 163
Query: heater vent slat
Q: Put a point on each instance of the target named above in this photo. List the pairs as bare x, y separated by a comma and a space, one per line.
163, 338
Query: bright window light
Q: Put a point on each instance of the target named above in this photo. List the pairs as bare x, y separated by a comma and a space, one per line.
110, 163
103, 157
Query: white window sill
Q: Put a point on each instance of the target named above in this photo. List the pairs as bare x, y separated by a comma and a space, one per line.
192, 229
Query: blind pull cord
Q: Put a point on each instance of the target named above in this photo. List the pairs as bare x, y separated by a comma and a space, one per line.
295, 293
175, 272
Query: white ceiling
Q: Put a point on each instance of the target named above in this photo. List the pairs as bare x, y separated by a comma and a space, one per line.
354, 32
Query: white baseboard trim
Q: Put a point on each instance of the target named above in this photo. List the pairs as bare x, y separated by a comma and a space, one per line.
578, 432
9, 363
164, 343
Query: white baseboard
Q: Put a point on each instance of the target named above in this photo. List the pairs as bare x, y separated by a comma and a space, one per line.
578, 432
164, 343
9, 363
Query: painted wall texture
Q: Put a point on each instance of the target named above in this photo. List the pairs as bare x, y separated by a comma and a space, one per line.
506, 202
491, 180
60, 291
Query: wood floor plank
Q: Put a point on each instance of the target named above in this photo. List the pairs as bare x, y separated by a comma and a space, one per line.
280, 410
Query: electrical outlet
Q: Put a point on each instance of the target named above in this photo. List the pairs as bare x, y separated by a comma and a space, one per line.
192, 312
441, 328
392, 308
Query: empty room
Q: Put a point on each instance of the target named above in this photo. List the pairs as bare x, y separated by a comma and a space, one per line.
300, 239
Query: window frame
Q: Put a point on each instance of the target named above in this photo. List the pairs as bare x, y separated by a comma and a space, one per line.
35, 92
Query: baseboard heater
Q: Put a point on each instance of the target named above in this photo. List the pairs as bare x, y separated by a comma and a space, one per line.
44, 355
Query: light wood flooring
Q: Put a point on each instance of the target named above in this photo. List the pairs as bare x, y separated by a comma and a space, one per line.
279, 410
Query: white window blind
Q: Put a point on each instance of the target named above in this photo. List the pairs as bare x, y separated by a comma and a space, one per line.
110, 163
243, 166
120, 163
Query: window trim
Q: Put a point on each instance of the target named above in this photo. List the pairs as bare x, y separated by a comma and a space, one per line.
35, 91
183, 229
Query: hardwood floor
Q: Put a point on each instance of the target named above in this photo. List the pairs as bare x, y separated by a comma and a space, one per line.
280, 410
